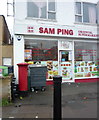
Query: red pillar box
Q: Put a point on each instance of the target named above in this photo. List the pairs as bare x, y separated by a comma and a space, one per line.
23, 76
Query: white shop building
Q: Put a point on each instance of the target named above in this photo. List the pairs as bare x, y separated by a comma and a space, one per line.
60, 35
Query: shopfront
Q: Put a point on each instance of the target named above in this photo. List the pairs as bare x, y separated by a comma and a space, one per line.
73, 60
57, 55
70, 52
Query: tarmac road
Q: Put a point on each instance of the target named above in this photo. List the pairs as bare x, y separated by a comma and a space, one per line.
79, 100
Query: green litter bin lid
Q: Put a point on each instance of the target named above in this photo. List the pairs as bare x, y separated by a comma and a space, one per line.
3, 67
3, 70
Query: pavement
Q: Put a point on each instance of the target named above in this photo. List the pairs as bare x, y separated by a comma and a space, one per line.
79, 100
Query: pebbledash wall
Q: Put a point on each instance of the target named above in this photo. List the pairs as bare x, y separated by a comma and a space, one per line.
67, 47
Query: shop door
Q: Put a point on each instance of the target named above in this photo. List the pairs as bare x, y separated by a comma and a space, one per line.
66, 65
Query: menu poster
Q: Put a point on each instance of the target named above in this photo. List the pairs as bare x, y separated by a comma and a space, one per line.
78, 75
50, 74
28, 54
86, 69
55, 65
66, 70
52, 67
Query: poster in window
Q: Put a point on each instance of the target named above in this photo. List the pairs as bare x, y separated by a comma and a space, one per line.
66, 70
52, 67
55, 65
28, 54
86, 69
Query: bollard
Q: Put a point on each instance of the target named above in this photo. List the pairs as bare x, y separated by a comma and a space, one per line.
57, 98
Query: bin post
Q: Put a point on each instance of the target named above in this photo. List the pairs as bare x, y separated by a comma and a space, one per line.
57, 98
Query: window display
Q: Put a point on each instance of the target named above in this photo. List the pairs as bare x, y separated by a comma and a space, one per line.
43, 52
86, 64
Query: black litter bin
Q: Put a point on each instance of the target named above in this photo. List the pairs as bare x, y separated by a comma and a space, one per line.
10, 69
37, 77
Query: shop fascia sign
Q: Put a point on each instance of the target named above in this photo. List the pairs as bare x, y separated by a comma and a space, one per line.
87, 33
50, 31
62, 31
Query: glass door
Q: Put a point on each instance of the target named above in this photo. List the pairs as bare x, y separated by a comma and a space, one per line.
65, 65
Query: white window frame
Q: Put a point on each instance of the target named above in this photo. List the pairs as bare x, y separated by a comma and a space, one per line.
81, 15
47, 12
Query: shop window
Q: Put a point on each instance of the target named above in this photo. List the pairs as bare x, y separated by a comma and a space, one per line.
85, 51
41, 50
86, 12
86, 59
44, 52
41, 9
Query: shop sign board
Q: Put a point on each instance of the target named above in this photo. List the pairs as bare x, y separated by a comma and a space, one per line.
55, 30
